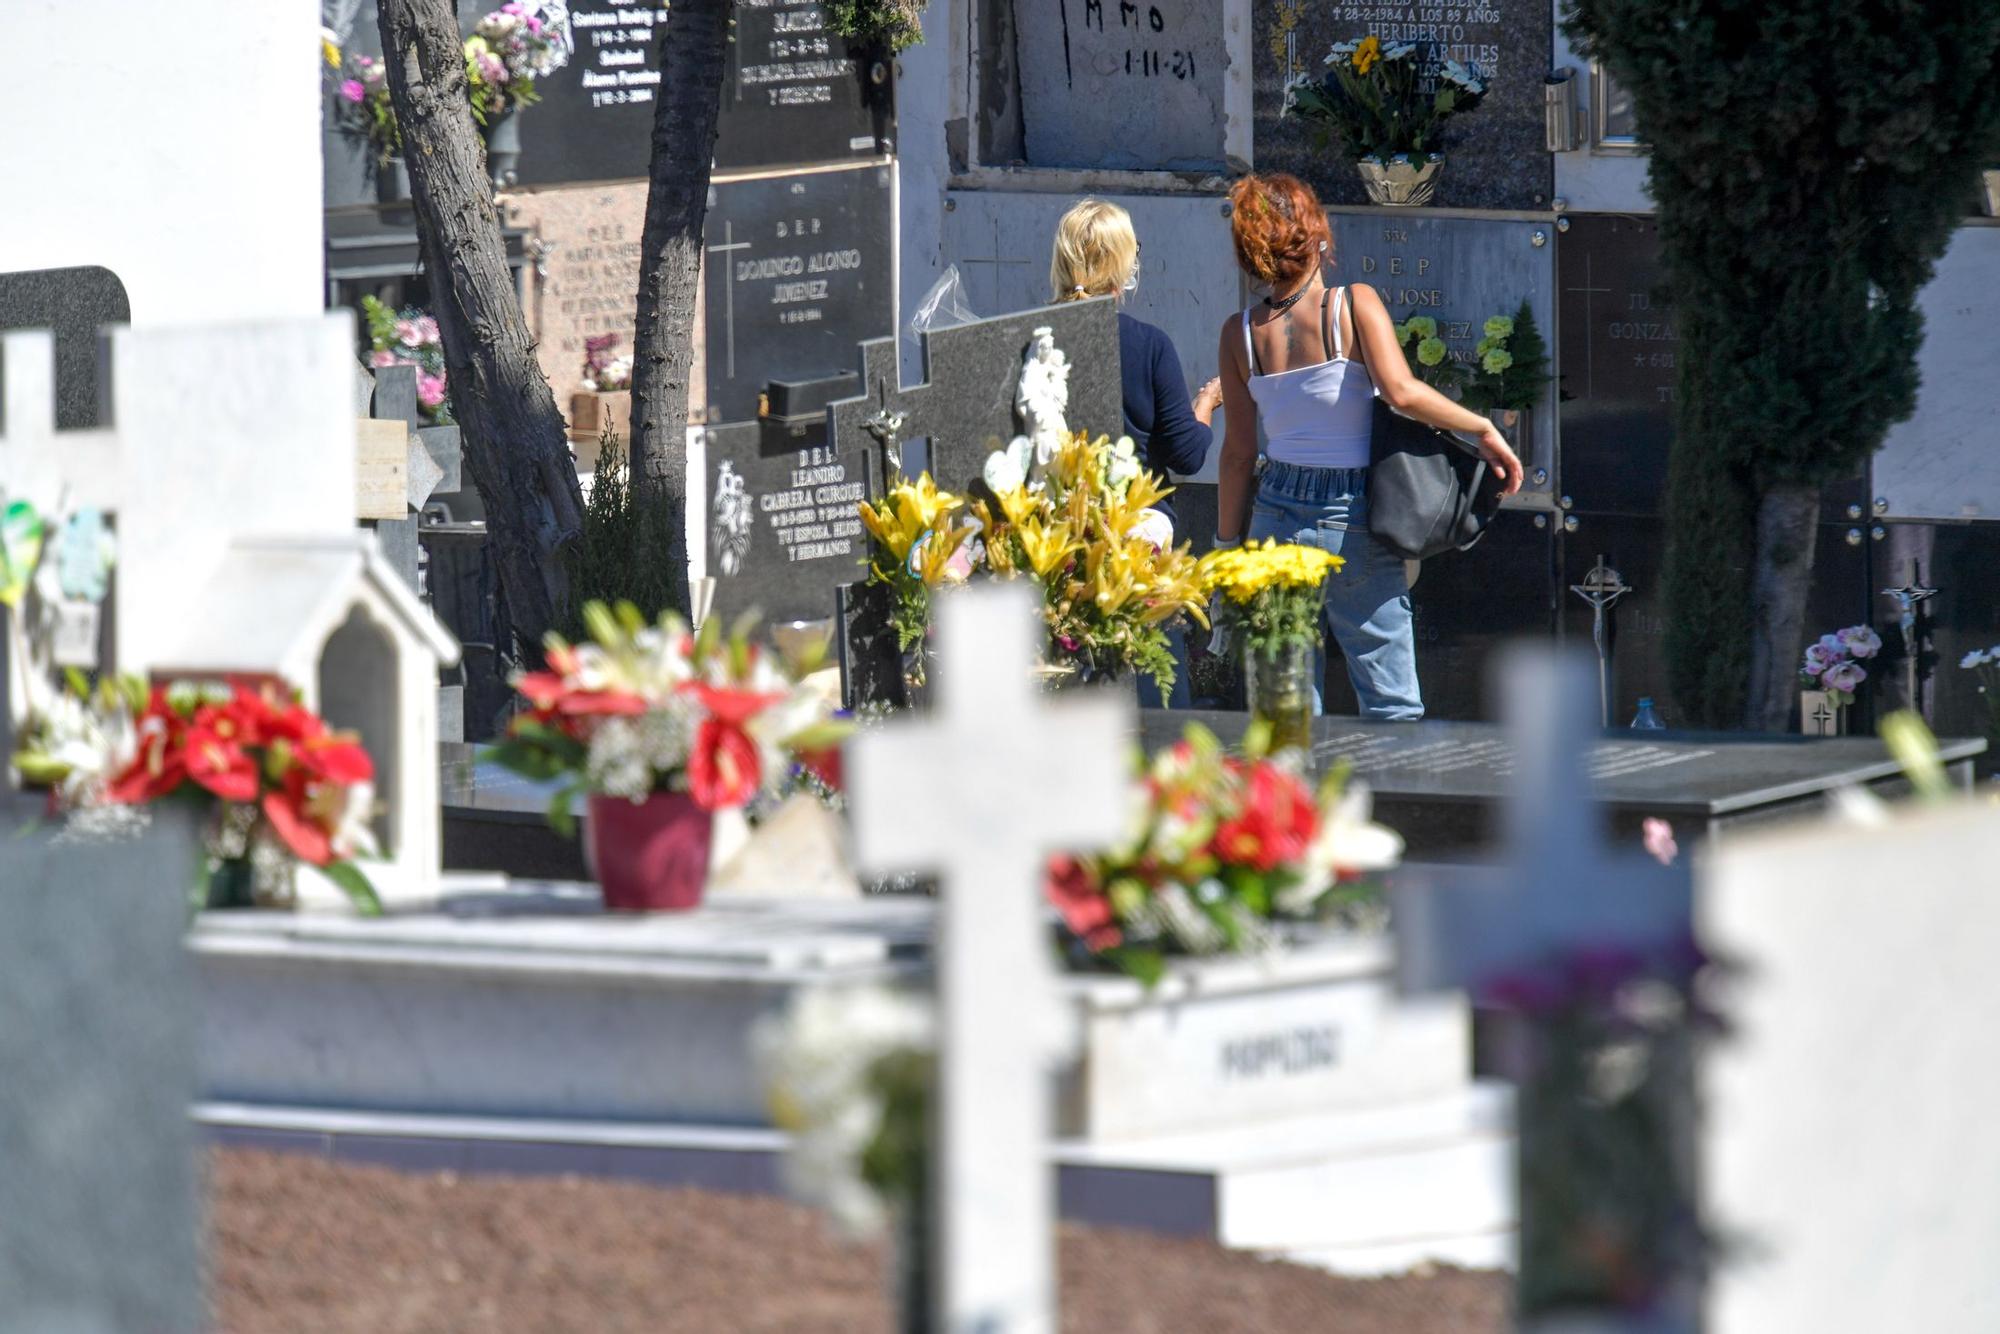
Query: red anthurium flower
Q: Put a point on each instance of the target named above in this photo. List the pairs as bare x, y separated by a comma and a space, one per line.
723, 769
286, 810
600, 704
159, 766
541, 689
734, 707
1275, 825
218, 763
1084, 908
335, 758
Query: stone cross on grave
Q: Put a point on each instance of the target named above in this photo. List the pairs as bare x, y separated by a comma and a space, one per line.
1554, 938
965, 407
983, 790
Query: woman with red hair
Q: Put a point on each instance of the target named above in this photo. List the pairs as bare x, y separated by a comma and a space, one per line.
1308, 362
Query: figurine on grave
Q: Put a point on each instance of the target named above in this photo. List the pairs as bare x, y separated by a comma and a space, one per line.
1043, 395
732, 519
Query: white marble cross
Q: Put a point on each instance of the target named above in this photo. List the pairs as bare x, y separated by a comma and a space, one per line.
982, 791
1560, 887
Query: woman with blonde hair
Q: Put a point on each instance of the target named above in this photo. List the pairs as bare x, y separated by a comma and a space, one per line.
1097, 254
1308, 361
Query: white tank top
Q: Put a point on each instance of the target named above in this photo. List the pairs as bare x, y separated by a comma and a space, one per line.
1317, 416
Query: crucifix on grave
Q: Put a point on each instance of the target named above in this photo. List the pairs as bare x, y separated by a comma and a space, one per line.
1910, 599
1602, 588
983, 790
1583, 956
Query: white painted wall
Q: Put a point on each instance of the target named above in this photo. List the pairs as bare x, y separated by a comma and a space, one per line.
1589, 181
1941, 463
923, 92
200, 190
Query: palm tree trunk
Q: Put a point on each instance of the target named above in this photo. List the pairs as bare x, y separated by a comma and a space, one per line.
1787, 525
514, 438
692, 63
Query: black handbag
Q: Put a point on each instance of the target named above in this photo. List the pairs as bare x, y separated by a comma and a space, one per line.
1428, 491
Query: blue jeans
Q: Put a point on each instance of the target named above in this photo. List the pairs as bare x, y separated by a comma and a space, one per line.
1368, 599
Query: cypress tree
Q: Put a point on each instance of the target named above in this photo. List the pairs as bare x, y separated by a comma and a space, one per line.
1809, 160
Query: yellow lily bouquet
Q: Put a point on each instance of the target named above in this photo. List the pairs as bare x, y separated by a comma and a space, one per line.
916, 542
1270, 593
1084, 533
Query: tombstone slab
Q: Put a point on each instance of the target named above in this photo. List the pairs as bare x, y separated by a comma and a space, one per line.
1132, 86
798, 270
783, 524
1496, 156
97, 1168
74, 304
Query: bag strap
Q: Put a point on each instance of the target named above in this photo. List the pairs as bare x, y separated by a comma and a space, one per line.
1249, 348
1339, 295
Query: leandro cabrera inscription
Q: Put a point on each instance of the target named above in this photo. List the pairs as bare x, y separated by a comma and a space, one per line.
1295, 1051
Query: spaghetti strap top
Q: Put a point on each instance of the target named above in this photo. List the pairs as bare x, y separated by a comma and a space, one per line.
1316, 416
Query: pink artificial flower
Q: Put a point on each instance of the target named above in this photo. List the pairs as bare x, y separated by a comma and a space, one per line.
374, 73
1658, 837
511, 7
430, 389
1818, 659
352, 90
407, 333
534, 25
1846, 676
1861, 641
427, 329
491, 68
381, 357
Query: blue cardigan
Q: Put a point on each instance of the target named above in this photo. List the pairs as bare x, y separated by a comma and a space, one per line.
1158, 413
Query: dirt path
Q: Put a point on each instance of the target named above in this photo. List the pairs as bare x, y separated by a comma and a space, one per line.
301, 1244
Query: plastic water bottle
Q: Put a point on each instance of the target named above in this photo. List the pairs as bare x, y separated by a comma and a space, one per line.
1645, 720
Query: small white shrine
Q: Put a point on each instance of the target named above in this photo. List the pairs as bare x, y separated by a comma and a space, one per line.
229, 465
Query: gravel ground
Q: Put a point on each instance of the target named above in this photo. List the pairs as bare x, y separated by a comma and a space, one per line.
303, 1244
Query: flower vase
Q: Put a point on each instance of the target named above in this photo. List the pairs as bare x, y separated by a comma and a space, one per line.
392, 181
917, 667
651, 855
1278, 682
246, 866
503, 148
1403, 181
1820, 714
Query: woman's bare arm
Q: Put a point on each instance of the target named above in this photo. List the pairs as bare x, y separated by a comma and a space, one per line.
1235, 476
1376, 333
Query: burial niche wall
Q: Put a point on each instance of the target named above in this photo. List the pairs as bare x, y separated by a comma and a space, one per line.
1125, 85
359, 692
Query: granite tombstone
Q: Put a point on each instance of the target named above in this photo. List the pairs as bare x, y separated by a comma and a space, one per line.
97, 1156
1496, 154
793, 92
799, 269
75, 303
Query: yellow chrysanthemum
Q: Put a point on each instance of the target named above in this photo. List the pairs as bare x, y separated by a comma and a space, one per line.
1242, 573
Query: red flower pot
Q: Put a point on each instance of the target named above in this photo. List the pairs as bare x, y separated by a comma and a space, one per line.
649, 856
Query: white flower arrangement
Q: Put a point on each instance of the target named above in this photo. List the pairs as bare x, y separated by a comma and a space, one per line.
822, 1063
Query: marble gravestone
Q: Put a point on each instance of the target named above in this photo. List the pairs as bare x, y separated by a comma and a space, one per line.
798, 270
1496, 155
1849, 1138
1460, 271
99, 1212
989, 831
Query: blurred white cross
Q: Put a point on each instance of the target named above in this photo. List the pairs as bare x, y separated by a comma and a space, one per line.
981, 791
1560, 887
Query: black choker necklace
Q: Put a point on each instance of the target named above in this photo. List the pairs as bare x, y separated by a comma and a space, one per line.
1288, 302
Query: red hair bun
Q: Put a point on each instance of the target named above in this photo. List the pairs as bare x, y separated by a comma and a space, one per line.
1278, 226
